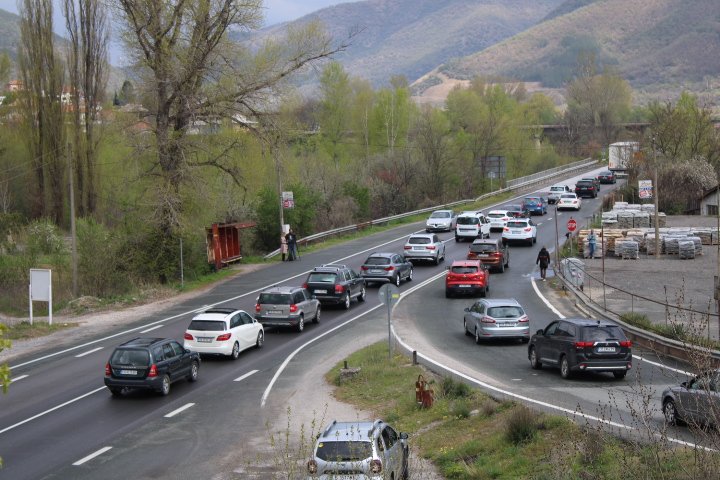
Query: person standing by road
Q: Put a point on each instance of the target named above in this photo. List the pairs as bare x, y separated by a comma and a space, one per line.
592, 241
283, 245
291, 239
543, 260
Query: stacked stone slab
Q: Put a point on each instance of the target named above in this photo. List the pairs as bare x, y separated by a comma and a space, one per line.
686, 249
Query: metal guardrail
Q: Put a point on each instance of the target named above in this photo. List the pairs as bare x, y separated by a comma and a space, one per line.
526, 182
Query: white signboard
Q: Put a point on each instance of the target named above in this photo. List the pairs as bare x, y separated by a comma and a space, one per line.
287, 200
41, 289
645, 188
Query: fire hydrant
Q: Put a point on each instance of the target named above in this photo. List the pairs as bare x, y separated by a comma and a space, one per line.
423, 394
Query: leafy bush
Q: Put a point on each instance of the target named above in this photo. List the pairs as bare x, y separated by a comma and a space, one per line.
44, 238
460, 409
637, 319
452, 388
521, 426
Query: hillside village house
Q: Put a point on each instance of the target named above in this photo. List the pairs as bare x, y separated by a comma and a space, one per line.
709, 202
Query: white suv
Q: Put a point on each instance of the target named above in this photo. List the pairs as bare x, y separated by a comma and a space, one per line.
471, 225
223, 331
520, 230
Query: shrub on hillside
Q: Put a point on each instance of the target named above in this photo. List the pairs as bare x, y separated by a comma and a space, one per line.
521, 425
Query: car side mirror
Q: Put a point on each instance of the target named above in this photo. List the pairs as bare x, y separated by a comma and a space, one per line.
403, 436
540, 332
467, 309
683, 384
187, 350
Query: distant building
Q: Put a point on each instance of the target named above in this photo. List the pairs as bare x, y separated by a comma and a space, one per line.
709, 203
14, 86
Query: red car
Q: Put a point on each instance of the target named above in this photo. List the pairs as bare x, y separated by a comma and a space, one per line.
467, 277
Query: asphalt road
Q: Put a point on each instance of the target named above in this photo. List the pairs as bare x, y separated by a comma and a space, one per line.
60, 422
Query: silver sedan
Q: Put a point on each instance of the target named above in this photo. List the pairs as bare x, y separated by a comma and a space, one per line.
496, 318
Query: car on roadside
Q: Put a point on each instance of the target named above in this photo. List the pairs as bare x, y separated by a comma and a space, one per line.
607, 176
520, 230
471, 225
595, 180
424, 246
695, 402
518, 210
569, 201
223, 331
535, 205
555, 191
491, 252
496, 318
498, 218
581, 345
359, 450
287, 307
335, 284
150, 364
441, 221
467, 277
386, 268
586, 188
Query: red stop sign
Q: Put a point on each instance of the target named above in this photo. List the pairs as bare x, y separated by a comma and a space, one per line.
571, 225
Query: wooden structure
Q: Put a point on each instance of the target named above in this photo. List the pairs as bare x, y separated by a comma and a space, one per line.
223, 243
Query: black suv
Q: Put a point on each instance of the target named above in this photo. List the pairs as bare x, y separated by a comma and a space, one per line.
580, 344
336, 284
150, 364
586, 188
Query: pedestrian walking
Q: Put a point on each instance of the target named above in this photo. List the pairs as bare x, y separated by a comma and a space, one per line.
283, 245
291, 239
543, 260
592, 241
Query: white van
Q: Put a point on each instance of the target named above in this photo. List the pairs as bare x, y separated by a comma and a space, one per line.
471, 225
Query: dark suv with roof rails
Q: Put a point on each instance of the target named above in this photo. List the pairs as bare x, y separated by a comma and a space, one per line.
581, 345
150, 364
335, 284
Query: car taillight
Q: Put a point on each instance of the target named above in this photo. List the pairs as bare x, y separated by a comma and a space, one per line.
293, 308
312, 467
487, 320
187, 336
339, 289
407, 247
471, 255
431, 247
257, 308
580, 345
574, 201
363, 268
506, 229
626, 343
153, 371
497, 254
523, 319
505, 219
304, 285
527, 229
224, 337
389, 269
376, 467
108, 370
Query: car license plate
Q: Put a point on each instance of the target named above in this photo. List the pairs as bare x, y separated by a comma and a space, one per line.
375, 271
507, 324
204, 339
320, 291
606, 349
484, 255
128, 372
464, 286
418, 248
516, 232
274, 312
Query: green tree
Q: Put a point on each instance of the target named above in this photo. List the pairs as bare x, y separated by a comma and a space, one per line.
392, 115
333, 118
127, 93
430, 135
300, 218
5, 69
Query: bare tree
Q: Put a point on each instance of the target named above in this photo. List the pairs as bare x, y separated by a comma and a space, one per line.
86, 23
42, 76
194, 71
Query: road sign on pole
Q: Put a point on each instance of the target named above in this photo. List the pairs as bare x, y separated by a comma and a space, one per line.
571, 225
645, 189
389, 295
288, 200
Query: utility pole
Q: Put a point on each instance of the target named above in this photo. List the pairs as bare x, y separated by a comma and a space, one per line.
73, 232
656, 194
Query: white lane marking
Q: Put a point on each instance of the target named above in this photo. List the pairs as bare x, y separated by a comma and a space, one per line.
18, 378
301, 347
91, 456
152, 328
550, 218
545, 300
243, 377
676, 370
179, 410
50, 410
88, 352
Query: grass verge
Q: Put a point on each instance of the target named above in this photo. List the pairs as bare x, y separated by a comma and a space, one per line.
25, 331
469, 435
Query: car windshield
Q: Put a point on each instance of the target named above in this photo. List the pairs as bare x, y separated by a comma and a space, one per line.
419, 240
482, 247
463, 269
344, 451
207, 325
505, 312
132, 357
602, 333
377, 261
321, 277
568, 195
557, 189
468, 221
517, 224
585, 182
440, 215
496, 214
532, 200
516, 208
276, 298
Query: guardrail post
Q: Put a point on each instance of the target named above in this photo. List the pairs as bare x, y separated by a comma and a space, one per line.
414, 361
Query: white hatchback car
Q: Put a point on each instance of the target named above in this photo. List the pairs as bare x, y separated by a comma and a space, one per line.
569, 201
223, 331
498, 219
520, 230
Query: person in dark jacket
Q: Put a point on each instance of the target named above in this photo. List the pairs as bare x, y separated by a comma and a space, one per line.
291, 239
543, 260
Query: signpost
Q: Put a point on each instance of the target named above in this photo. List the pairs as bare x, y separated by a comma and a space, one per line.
389, 295
645, 189
288, 201
40, 290
571, 226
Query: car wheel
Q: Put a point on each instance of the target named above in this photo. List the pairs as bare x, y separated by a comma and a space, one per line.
165, 386
410, 275
483, 292
116, 392
317, 315
672, 417
346, 302
397, 280
535, 363
565, 367
525, 340
448, 294
502, 267
361, 297
477, 336
457, 239
530, 242
235, 351
301, 323
437, 259
620, 375
465, 328
534, 239
194, 371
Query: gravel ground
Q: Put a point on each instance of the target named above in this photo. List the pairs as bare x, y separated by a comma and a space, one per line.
667, 279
